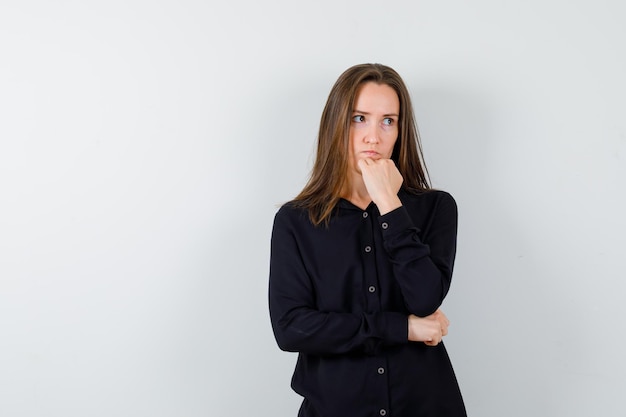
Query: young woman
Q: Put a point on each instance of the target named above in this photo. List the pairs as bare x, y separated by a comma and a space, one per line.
362, 259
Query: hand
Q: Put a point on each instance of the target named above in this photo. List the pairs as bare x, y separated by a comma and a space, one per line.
382, 180
443, 321
430, 329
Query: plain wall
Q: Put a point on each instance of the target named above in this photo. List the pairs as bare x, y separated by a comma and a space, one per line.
146, 145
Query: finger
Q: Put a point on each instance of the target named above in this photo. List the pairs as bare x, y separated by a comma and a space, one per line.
432, 342
443, 324
436, 336
443, 319
442, 315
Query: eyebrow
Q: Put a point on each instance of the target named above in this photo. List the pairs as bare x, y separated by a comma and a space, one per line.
366, 113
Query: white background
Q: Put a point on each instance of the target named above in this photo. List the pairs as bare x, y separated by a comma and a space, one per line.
146, 145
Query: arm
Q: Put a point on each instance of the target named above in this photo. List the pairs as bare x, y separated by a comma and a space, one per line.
430, 329
423, 271
299, 326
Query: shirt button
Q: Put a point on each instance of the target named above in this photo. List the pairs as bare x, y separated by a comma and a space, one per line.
383, 412
368, 249
371, 288
365, 214
381, 370
384, 225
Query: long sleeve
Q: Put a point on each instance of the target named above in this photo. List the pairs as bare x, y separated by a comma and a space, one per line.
423, 271
297, 321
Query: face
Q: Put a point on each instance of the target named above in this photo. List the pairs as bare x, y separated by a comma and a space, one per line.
374, 123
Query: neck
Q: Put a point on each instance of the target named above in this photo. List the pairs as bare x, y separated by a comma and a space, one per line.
356, 192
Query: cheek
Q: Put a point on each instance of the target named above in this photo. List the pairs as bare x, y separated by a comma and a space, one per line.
391, 144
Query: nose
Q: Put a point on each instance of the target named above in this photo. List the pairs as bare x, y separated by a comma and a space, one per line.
372, 135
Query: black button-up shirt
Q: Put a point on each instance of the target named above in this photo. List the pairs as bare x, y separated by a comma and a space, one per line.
340, 296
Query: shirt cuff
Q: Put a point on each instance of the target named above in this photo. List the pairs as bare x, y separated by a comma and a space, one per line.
396, 328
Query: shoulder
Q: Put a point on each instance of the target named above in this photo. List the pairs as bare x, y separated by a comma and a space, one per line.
429, 206
290, 213
428, 199
291, 208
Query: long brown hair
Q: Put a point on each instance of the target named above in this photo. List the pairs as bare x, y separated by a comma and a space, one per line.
329, 173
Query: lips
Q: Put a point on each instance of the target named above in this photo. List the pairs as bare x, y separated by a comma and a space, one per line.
370, 154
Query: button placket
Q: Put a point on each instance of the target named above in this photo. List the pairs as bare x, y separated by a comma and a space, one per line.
368, 229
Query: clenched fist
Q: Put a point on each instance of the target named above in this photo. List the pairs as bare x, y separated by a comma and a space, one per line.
382, 180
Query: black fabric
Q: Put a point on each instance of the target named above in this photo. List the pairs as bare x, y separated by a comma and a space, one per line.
340, 296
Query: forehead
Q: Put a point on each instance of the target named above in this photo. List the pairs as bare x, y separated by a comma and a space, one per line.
376, 97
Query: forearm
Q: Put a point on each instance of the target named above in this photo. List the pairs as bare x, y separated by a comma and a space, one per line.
422, 284
388, 204
422, 271
324, 333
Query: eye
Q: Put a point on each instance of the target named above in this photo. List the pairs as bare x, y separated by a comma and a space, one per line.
388, 121
358, 118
